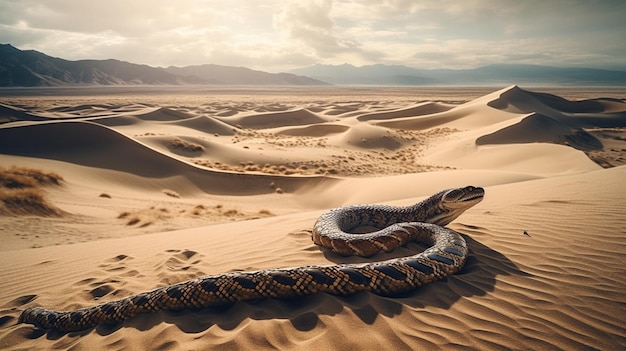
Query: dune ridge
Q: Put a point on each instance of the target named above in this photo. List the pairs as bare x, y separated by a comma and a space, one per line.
157, 192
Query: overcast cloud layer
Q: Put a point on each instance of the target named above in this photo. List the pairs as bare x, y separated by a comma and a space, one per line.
279, 35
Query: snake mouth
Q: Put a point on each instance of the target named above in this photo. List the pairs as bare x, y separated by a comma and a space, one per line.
474, 197
473, 194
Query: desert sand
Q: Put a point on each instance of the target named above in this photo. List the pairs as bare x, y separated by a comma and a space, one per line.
159, 188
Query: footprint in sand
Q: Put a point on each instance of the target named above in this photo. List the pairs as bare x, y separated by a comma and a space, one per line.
177, 262
112, 264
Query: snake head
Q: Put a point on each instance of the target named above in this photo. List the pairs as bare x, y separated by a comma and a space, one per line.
462, 198
453, 202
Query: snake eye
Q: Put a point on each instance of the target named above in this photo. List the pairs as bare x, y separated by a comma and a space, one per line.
452, 195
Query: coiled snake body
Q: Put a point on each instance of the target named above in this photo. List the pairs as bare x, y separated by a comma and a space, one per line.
422, 222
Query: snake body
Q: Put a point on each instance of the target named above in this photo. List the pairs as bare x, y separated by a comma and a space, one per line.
422, 222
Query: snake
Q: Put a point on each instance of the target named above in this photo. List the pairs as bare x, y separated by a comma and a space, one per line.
337, 230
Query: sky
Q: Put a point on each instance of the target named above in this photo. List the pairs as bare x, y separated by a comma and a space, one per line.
280, 35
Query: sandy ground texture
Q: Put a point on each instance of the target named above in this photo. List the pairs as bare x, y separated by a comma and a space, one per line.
154, 189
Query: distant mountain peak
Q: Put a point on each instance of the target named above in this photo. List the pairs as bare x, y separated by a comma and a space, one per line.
30, 68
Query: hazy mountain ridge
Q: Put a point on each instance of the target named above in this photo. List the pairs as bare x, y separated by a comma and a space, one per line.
218, 74
31, 68
492, 74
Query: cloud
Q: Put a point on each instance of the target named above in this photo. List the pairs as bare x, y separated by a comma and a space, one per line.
134, 18
309, 26
309, 23
278, 35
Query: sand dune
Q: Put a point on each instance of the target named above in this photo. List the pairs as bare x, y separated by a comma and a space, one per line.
156, 193
370, 137
517, 100
89, 144
275, 119
552, 119
207, 125
470, 115
163, 114
425, 108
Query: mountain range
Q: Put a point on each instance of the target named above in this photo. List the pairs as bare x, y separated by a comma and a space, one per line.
379, 74
29, 68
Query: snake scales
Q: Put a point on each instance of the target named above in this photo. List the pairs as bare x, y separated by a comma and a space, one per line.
422, 222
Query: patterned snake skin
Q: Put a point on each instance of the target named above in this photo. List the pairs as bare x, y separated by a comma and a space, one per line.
422, 222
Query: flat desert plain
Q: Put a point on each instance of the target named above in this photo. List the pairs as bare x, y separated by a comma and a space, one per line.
109, 192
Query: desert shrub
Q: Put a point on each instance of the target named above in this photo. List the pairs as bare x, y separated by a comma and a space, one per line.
21, 193
133, 220
15, 181
171, 193
185, 145
231, 212
22, 177
29, 201
198, 209
145, 217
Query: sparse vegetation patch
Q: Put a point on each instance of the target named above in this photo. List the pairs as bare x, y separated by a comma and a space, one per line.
21, 192
171, 193
180, 144
213, 213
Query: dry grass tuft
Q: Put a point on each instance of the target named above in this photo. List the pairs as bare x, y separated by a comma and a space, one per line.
180, 144
265, 212
231, 212
26, 202
133, 220
181, 213
22, 177
145, 217
21, 192
171, 193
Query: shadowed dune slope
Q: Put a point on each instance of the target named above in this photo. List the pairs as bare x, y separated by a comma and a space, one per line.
11, 114
537, 128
